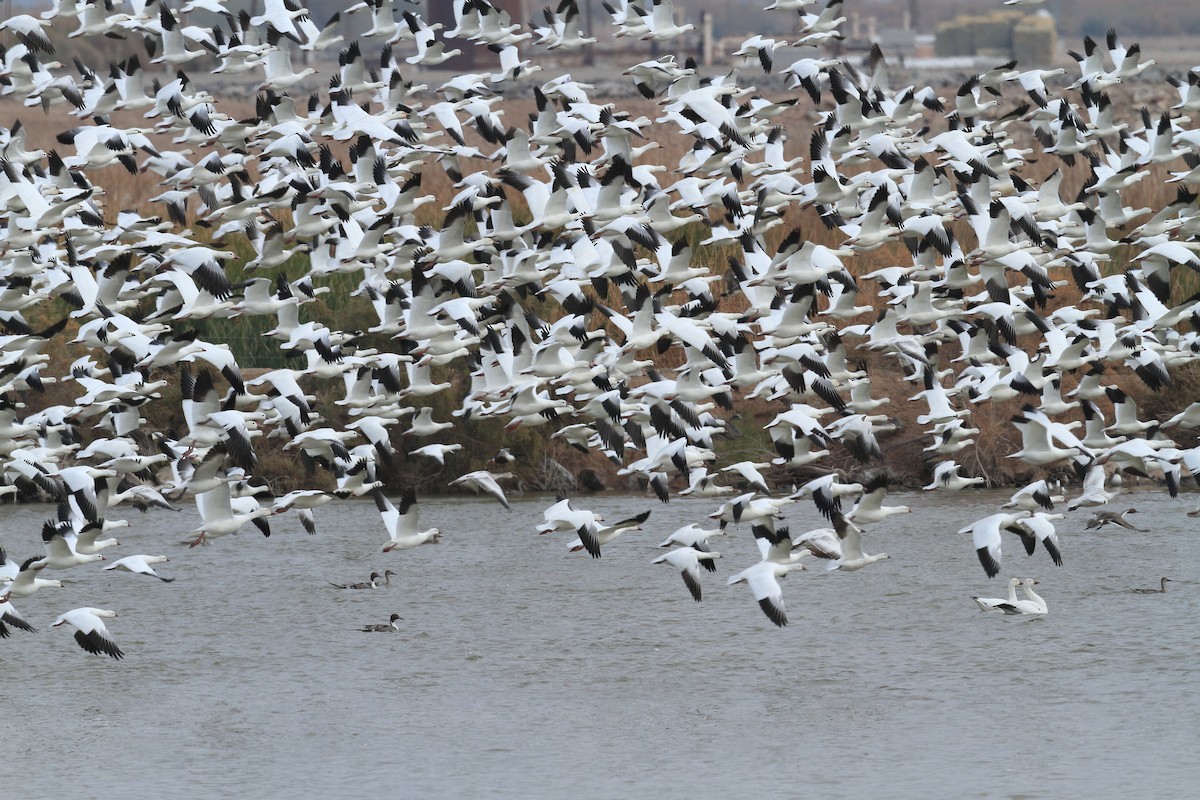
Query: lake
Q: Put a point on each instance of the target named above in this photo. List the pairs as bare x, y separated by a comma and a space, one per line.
522, 670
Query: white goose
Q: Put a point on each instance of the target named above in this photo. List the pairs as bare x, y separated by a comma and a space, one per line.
140, 564
688, 560
218, 517
692, 536
1039, 527
60, 552
870, 507
985, 534
945, 476
853, 558
10, 616
592, 536
994, 603
401, 523
27, 581
1032, 605
1038, 494
90, 632
482, 480
763, 580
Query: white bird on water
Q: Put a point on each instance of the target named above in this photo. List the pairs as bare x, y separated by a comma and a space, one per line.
1032, 605
994, 603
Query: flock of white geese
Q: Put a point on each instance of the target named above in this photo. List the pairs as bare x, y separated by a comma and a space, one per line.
566, 263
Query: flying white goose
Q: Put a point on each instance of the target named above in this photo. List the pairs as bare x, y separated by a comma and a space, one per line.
593, 536
1038, 494
402, 522
218, 517
853, 558
10, 616
60, 550
90, 632
985, 534
140, 564
688, 560
870, 507
26, 580
945, 476
763, 580
1039, 527
482, 480
692, 536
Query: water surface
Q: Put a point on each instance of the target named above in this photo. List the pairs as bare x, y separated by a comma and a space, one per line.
522, 670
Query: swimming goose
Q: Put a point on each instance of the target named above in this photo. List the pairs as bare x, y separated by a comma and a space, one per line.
90, 632
688, 560
1162, 588
401, 523
1032, 604
389, 627
141, 565
1102, 518
993, 603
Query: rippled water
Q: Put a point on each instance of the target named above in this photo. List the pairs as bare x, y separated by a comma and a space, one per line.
525, 671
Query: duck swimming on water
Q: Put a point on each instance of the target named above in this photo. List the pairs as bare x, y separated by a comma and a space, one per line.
390, 627
1162, 588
